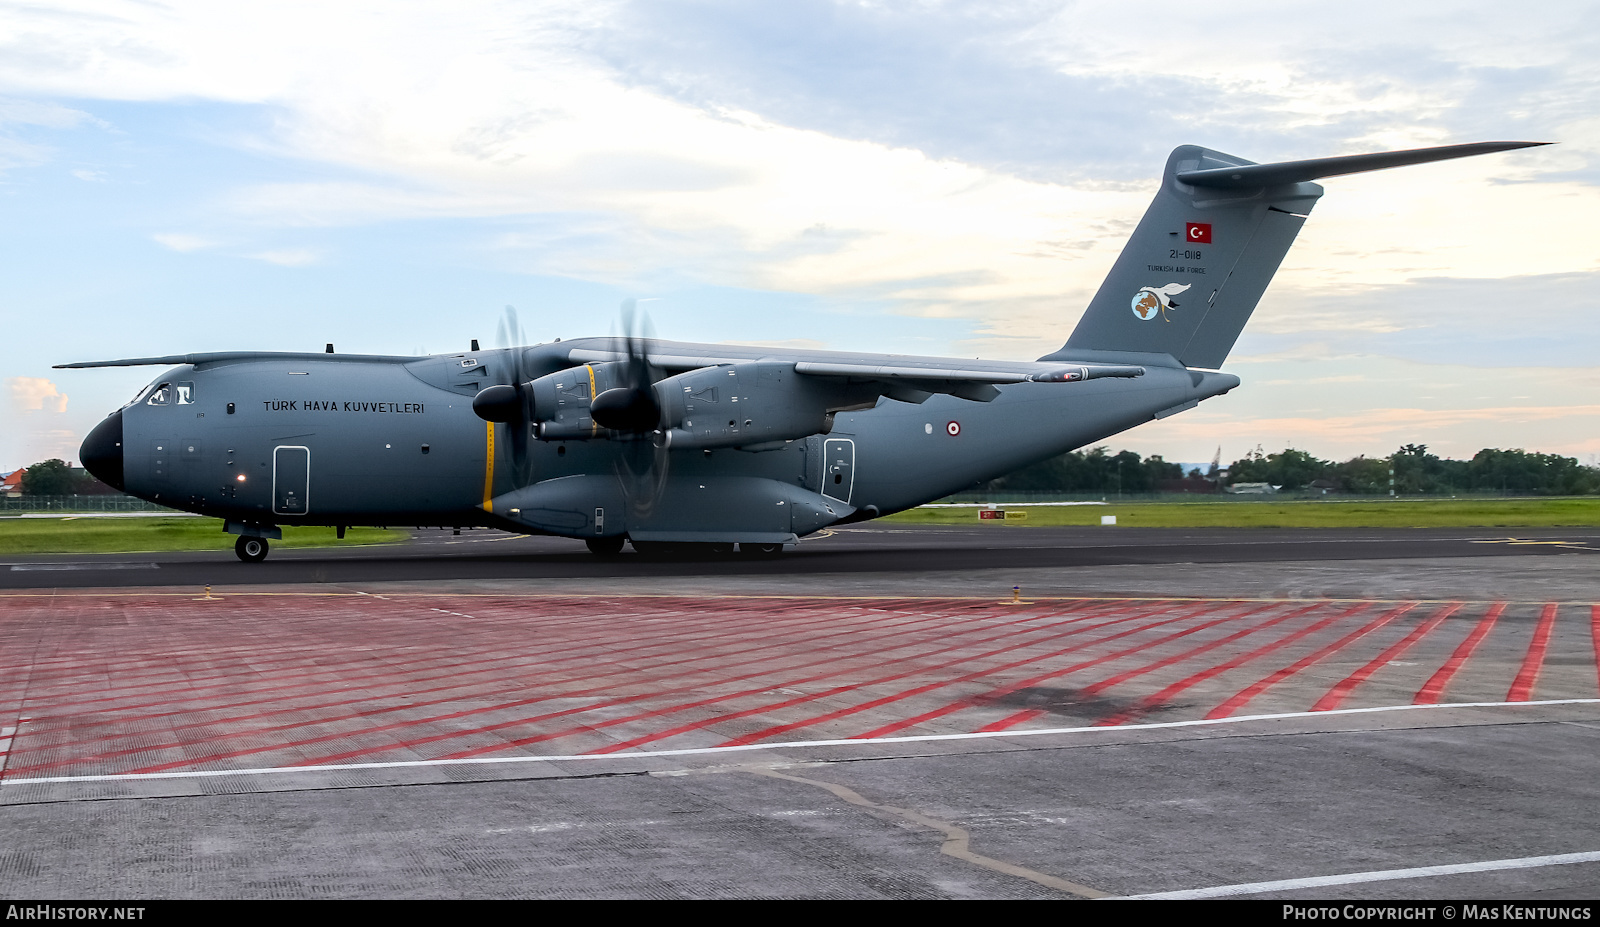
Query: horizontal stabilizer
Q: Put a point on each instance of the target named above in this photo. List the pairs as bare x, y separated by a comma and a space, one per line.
1251, 176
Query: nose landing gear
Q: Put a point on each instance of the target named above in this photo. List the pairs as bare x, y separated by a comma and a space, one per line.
251, 550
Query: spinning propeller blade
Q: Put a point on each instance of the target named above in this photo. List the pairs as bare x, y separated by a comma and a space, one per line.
516, 405
633, 409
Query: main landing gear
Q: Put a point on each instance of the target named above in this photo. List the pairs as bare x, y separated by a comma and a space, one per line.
605, 547
678, 550
251, 550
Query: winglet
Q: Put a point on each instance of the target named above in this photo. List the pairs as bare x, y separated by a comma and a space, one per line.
1250, 176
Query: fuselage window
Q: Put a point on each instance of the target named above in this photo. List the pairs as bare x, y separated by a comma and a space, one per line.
160, 396
185, 392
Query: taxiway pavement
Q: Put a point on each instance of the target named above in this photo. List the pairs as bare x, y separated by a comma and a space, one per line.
871, 716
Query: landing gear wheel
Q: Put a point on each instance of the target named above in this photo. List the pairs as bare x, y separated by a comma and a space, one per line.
251, 550
605, 547
760, 551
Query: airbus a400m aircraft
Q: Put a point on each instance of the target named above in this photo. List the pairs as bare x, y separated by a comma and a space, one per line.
664, 443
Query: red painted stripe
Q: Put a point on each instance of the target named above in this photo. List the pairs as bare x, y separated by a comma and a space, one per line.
313, 627
918, 670
1522, 687
1028, 714
1433, 689
401, 679
517, 673
573, 711
1594, 637
1151, 702
340, 672
740, 657
1250, 692
1095, 689
213, 721
1336, 696
875, 654
672, 709
227, 661
955, 706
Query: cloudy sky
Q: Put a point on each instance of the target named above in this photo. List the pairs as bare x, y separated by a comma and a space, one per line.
927, 177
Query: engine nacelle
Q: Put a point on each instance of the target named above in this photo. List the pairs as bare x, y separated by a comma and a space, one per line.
731, 405
753, 403
561, 400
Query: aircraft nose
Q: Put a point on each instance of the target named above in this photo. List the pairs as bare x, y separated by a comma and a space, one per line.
102, 451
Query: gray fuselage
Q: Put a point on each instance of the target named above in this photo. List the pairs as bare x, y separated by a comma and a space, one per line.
348, 440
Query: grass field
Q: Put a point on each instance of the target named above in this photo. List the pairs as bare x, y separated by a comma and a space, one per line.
1402, 513
76, 534
79, 535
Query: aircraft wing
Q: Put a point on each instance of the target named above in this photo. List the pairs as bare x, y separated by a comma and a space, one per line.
911, 379
914, 384
1046, 373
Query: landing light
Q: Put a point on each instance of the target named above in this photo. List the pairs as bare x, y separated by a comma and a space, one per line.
240, 477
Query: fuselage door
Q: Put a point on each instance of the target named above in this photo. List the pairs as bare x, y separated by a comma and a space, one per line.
291, 480
838, 468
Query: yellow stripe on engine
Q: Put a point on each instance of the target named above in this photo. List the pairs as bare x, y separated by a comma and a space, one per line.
488, 466
593, 428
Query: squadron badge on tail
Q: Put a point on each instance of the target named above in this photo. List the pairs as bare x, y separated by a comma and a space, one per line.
1150, 301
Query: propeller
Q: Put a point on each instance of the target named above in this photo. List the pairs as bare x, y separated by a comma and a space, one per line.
632, 409
631, 406
513, 404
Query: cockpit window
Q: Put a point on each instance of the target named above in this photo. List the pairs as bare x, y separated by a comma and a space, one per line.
185, 392
160, 396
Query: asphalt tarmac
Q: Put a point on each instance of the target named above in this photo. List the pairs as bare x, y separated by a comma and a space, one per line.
876, 550
886, 712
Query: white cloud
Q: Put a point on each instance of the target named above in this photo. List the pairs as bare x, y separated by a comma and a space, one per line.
35, 394
15, 112
288, 257
90, 176
178, 241
500, 109
980, 162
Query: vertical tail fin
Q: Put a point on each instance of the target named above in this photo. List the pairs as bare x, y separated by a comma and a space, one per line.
1208, 246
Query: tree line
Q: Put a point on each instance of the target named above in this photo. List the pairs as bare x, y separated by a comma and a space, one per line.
1097, 470
54, 478
1416, 471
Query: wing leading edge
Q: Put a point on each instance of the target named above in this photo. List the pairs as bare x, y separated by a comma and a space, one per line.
913, 382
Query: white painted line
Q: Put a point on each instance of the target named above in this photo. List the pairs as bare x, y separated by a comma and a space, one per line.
1384, 875
788, 745
114, 565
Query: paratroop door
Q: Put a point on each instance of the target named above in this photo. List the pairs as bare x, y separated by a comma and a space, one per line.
838, 468
291, 480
